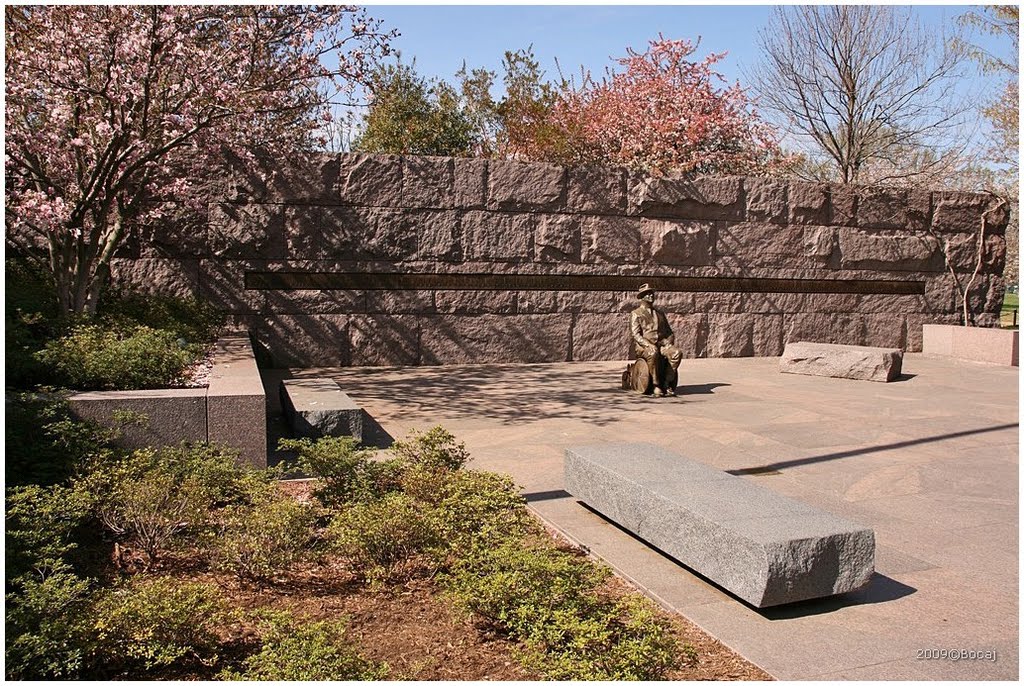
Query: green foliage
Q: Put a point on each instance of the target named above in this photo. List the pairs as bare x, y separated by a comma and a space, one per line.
435, 449
152, 497
47, 635
262, 539
383, 538
347, 473
551, 600
411, 115
294, 650
197, 321
93, 357
44, 443
43, 525
146, 623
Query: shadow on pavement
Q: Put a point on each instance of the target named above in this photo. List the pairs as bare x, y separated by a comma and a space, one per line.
880, 589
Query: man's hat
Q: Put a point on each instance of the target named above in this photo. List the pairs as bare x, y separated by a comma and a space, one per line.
644, 289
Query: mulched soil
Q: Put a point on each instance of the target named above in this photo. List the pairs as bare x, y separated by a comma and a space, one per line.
413, 628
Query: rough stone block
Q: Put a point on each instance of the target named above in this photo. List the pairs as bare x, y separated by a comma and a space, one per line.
400, 302
303, 230
222, 283
839, 327
370, 180
677, 242
315, 340
808, 203
959, 211
995, 346
475, 302
315, 302
612, 239
597, 190
172, 415
175, 230
455, 339
710, 198
821, 243
759, 244
842, 361
318, 407
558, 238
470, 184
163, 276
250, 231
525, 185
236, 405
766, 200
893, 208
762, 547
384, 340
842, 204
600, 337
428, 182
498, 236
744, 335
438, 235
862, 250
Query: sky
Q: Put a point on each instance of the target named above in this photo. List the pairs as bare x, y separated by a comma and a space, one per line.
441, 37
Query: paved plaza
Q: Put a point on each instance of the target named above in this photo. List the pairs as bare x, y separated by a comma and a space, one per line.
930, 462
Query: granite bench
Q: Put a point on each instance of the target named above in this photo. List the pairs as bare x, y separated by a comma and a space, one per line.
318, 407
762, 547
842, 361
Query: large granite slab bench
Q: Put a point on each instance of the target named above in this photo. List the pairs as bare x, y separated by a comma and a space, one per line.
763, 547
318, 407
842, 361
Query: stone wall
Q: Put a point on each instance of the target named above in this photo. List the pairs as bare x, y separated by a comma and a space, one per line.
360, 214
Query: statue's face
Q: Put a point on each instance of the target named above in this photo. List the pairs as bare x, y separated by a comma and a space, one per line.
648, 297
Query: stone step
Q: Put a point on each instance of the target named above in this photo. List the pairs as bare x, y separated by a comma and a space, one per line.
842, 361
763, 547
318, 407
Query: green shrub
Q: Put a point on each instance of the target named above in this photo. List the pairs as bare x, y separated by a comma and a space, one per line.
45, 444
435, 449
197, 321
47, 632
295, 650
381, 538
552, 601
470, 508
92, 357
260, 540
146, 623
347, 473
43, 525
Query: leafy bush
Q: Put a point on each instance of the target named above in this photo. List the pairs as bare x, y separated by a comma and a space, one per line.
294, 650
197, 321
147, 623
347, 473
382, 537
45, 443
47, 634
260, 540
435, 449
552, 601
43, 525
93, 357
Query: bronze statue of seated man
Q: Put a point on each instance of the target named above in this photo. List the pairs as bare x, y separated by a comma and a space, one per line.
657, 357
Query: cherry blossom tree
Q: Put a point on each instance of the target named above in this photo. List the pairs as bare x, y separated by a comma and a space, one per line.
664, 112
108, 108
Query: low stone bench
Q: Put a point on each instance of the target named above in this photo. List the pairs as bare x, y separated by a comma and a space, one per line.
762, 547
842, 361
318, 407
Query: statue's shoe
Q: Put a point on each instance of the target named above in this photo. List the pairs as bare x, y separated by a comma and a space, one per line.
670, 392
658, 393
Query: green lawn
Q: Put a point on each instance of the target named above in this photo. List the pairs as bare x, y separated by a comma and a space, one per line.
1010, 303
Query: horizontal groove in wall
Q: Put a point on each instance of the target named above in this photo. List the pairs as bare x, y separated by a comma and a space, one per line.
326, 281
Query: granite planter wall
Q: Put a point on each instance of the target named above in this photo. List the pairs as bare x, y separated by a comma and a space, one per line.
231, 411
995, 346
387, 260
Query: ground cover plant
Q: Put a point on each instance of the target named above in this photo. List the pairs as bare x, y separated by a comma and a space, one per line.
181, 563
135, 341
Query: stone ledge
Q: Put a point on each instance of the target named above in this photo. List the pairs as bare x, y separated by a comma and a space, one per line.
318, 407
842, 361
995, 346
764, 548
231, 411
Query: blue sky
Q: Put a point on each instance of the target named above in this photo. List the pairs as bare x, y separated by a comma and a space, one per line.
441, 37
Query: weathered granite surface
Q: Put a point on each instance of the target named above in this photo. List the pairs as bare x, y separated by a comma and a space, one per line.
318, 407
171, 415
236, 405
842, 361
995, 346
764, 548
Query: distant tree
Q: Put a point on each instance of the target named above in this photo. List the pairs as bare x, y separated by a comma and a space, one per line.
411, 115
109, 107
663, 112
865, 88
